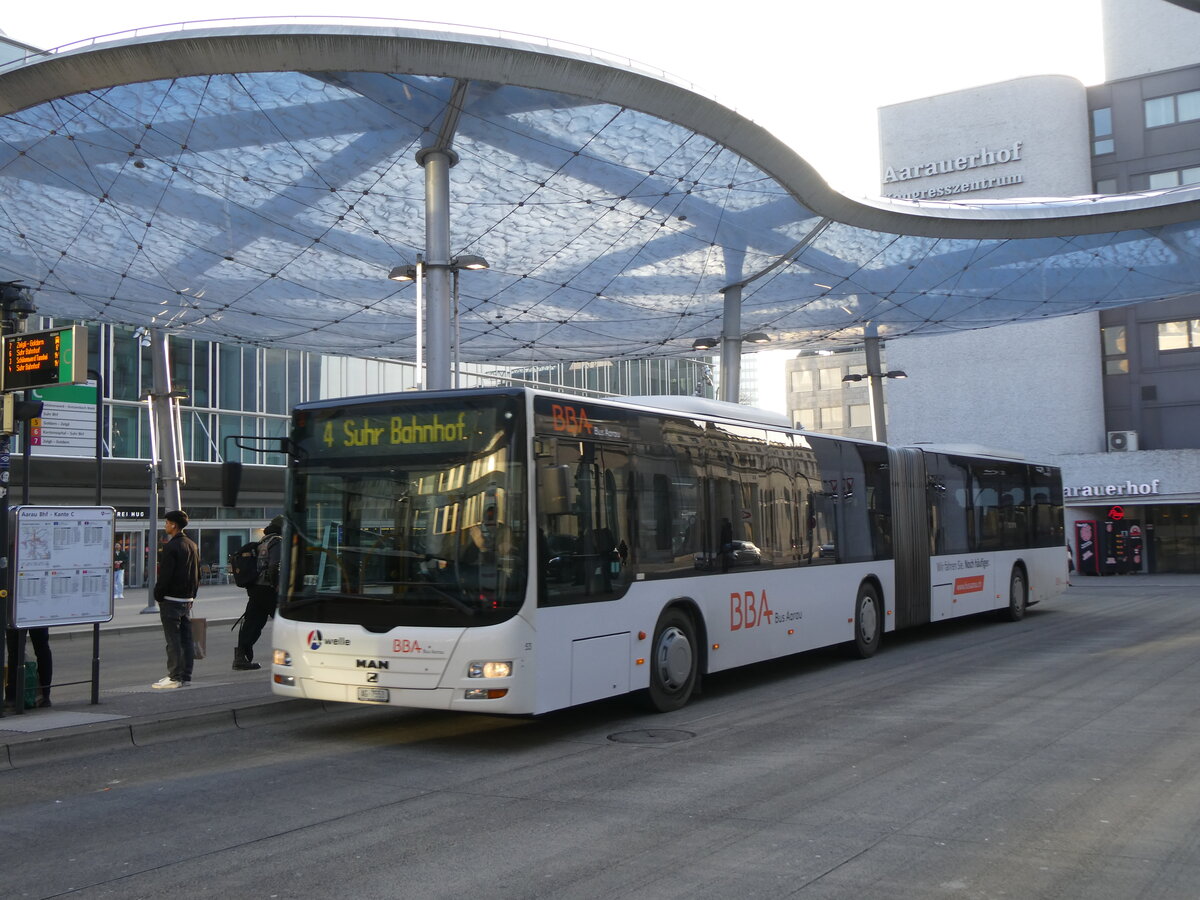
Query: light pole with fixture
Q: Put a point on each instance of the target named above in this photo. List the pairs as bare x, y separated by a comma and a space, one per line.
731, 353
472, 264
416, 273
875, 376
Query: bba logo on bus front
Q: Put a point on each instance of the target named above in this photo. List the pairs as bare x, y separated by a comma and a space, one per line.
316, 640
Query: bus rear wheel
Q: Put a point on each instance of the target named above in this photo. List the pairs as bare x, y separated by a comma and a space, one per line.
674, 662
868, 621
1018, 596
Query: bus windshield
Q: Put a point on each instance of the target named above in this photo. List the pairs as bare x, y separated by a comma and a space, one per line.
409, 513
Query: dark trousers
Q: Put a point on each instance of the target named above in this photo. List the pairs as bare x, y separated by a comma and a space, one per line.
260, 606
177, 628
40, 638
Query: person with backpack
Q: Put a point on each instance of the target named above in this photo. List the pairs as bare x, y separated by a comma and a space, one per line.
262, 586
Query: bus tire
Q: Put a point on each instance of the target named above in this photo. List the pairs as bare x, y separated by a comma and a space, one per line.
868, 621
1018, 596
674, 661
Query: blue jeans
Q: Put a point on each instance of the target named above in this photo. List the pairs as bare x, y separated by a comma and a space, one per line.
177, 626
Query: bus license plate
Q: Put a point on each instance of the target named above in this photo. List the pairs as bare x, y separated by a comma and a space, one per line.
373, 695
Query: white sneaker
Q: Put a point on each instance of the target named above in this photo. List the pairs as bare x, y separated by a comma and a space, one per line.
166, 683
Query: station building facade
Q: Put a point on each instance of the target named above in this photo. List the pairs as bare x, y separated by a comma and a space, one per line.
1113, 398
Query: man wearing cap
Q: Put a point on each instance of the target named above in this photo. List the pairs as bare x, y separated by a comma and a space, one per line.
260, 604
174, 591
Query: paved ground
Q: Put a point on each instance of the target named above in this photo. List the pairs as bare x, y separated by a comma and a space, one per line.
132, 656
1056, 757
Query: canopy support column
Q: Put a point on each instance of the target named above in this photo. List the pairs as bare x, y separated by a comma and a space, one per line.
437, 164
731, 345
875, 378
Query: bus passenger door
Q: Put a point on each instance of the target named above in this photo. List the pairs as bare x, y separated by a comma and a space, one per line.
912, 492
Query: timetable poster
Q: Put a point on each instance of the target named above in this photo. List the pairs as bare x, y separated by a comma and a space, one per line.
64, 565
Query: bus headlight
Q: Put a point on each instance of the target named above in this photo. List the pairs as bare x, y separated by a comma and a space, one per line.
282, 658
490, 670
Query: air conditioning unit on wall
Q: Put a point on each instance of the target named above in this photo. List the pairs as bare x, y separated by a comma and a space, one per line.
1121, 441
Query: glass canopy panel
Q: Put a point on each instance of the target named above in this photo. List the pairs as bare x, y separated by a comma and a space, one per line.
613, 208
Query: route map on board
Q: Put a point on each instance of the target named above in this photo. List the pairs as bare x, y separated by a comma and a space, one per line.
64, 565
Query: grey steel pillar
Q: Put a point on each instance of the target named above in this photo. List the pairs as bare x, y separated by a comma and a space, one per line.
167, 437
731, 345
875, 378
437, 163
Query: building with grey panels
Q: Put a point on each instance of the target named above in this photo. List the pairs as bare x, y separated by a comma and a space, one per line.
1113, 397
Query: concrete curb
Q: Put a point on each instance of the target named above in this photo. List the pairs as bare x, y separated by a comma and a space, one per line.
153, 730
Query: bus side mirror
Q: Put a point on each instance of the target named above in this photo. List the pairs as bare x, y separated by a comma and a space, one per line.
231, 482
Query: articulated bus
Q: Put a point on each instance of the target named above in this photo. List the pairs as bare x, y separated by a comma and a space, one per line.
518, 551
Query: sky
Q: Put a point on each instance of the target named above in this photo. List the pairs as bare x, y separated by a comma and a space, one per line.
811, 72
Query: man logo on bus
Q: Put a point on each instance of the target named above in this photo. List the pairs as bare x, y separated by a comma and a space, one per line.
314, 640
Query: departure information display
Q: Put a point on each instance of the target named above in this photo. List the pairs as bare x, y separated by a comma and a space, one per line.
45, 358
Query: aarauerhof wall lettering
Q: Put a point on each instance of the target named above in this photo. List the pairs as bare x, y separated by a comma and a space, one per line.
984, 157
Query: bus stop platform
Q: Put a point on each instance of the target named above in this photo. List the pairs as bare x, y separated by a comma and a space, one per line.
132, 654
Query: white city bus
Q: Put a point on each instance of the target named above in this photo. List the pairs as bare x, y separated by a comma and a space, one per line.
517, 551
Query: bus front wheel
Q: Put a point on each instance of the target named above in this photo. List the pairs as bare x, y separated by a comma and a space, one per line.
868, 621
674, 662
1018, 596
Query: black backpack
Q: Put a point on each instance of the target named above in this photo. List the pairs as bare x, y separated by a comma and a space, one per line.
267, 562
243, 564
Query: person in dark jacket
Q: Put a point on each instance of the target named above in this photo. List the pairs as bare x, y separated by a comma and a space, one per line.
260, 603
175, 591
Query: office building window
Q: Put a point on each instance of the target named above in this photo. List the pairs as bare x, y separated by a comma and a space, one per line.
860, 415
1188, 106
1114, 340
805, 418
1179, 335
1159, 180
1106, 186
1173, 178
830, 379
802, 381
1102, 141
1160, 111
831, 417
1115, 345
1183, 107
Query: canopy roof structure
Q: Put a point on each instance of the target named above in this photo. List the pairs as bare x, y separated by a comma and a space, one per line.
258, 183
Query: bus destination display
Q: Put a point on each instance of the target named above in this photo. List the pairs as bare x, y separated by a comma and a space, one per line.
45, 358
416, 429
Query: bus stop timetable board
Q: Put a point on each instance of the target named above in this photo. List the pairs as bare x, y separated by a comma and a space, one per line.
63, 565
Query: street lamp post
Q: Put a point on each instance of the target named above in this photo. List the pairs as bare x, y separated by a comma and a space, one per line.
875, 376
729, 388
417, 274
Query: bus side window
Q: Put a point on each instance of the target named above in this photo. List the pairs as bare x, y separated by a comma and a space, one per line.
950, 509
583, 521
